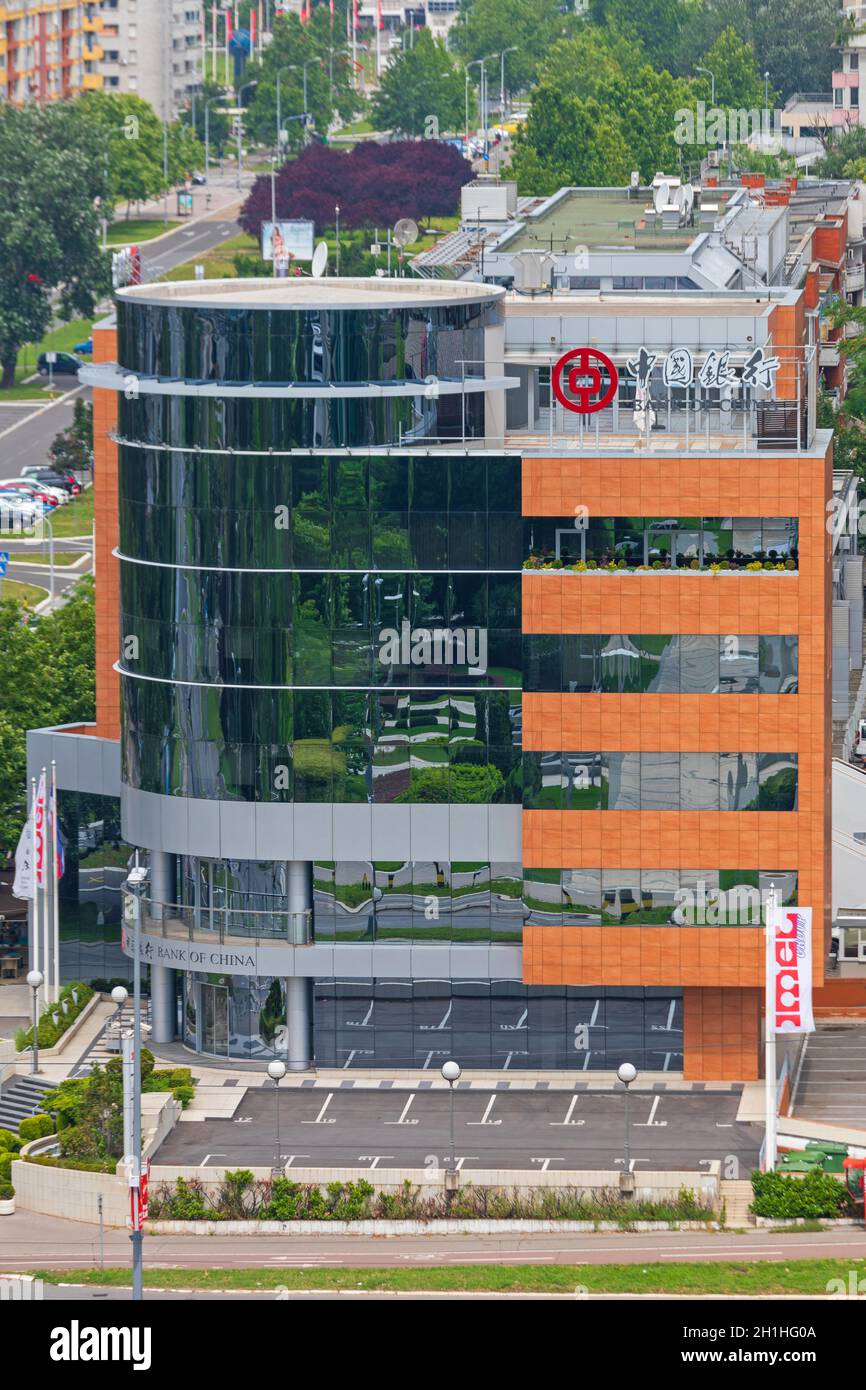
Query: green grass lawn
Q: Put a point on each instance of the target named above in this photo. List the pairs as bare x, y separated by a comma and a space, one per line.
28, 595
75, 519
131, 232
729, 1277
61, 557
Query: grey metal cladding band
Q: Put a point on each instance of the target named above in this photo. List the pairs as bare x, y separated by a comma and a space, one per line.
265, 830
110, 377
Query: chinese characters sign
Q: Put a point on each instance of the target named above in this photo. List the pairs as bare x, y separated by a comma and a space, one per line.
591, 378
791, 978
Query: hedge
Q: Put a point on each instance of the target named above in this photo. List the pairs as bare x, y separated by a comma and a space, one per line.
81, 1165
50, 1032
9, 1141
7, 1191
782, 1195
6, 1166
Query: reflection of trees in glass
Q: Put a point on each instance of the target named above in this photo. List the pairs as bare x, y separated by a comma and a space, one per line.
319, 768
273, 1012
461, 783
778, 792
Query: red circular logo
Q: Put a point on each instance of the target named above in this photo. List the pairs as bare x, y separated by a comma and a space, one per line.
585, 380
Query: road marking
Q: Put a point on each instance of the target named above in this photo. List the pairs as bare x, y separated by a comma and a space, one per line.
467, 1158
436, 1027
517, 1027
404, 1112
652, 1122
546, 1162
204, 1161
633, 1161
484, 1118
244, 1120
362, 1023
373, 1159
568, 1120
320, 1118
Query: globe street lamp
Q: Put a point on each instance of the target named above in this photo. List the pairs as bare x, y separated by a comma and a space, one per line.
627, 1074
276, 1071
451, 1073
34, 980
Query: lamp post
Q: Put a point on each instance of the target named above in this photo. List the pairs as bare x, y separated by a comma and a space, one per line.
513, 49
337, 216
34, 980
627, 1074
712, 76
766, 90
293, 67
479, 63
241, 91
207, 107
451, 1073
107, 136
276, 1071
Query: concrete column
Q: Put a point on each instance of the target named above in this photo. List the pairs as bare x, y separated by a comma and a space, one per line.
163, 980
299, 989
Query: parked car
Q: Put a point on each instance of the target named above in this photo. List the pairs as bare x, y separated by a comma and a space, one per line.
86, 347
199, 179
860, 744
35, 491
38, 488
40, 473
17, 514
65, 364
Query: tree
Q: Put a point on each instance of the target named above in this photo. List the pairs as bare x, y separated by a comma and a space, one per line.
793, 41
530, 26
219, 125
49, 248
421, 92
569, 141
738, 82
47, 677
374, 185
330, 92
844, 154
657, 24
71, 450
128, 142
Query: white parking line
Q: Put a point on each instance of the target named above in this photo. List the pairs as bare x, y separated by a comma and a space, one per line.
652, 1122
485, 1117
373, 1159
568, 1120
546, 1162
204, 1161
404, 1112
320, 1118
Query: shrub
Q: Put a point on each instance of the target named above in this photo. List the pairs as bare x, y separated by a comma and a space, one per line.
79, 1165
6, 1166
76, 997
7, 1192
184, 1094
35, 1127
9, 1141
784, 1195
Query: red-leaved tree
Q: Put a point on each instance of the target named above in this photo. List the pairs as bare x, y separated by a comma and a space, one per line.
373, 185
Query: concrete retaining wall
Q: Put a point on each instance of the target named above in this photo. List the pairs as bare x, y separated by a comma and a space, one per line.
479, 1227
70, 1193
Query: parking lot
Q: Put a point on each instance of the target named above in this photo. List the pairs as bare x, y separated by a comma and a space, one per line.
540, 1131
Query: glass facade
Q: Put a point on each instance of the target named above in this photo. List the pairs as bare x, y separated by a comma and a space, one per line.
693, 664
96, 862
653, 897
691, 542
660, 781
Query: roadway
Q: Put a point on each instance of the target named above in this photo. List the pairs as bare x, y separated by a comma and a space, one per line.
30, 1241
530, 1131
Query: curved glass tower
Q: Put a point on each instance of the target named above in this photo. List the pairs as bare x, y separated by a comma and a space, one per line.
320, 646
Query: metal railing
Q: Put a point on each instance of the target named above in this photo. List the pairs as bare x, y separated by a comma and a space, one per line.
219, 925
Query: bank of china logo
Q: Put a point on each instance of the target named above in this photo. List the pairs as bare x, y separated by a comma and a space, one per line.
434, 646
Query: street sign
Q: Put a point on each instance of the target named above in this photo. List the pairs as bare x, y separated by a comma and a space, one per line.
4, 561
51, 358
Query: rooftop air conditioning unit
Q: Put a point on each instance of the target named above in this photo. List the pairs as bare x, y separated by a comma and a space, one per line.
713, 159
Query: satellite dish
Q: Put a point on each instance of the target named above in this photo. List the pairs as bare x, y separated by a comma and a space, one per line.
406, 231
661, 196
688, 197
319, 263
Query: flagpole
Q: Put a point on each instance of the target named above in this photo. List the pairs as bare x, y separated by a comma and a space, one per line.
43, 916
770, 1145
55, 880
35, 939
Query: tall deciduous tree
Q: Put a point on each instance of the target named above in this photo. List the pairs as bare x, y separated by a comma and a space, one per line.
330, 90
528, 26
128, 141
421, 91
49, 248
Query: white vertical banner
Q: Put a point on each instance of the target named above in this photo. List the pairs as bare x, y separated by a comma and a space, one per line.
40, 948
23, 884
791, 929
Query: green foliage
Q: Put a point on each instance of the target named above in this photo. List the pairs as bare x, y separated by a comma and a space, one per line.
50, 179
775, 166
78, 1165
7, 1192
459, 783
126, 138
6, 1159
186, 1203
294, 44
72, 448
46, 678
844, 154
784, 1195
219, 123
531, 26
738, 81
50, 1032
35, 1127
9, 1141
418, 84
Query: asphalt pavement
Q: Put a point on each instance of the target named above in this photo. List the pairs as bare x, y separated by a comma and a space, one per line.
532, 1131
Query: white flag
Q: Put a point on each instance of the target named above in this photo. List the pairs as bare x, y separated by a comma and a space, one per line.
39, 832
23, 885
791, 978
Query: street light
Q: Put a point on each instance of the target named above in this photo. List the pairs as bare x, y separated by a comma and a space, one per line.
241, 91
337, 215
207, 107
107, 134
451, 1073
712, 76
627, 1074
766, 91
276, 1071
502, 82
293, 67
34, 980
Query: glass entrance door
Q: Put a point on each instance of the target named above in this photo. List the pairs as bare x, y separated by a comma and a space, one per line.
214, 1015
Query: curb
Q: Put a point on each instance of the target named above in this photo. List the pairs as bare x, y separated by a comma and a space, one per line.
478, 1226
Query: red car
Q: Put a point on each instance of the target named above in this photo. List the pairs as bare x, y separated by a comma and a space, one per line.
46, 498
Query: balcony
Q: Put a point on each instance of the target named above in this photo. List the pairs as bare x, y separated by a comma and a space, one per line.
855, 276
230, 928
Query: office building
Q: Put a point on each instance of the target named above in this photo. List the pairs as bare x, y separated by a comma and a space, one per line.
49, 49
153, 48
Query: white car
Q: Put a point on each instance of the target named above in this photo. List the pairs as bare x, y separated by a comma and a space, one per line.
33, 485
860, 742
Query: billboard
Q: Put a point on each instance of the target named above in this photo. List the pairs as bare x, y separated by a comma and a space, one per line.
287, 241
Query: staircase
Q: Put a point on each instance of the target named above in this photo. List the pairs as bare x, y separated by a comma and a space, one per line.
833, 1080
20, 1099
736, 1198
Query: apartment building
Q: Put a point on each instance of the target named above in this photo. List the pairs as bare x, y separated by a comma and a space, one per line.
49, 49
154, 48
